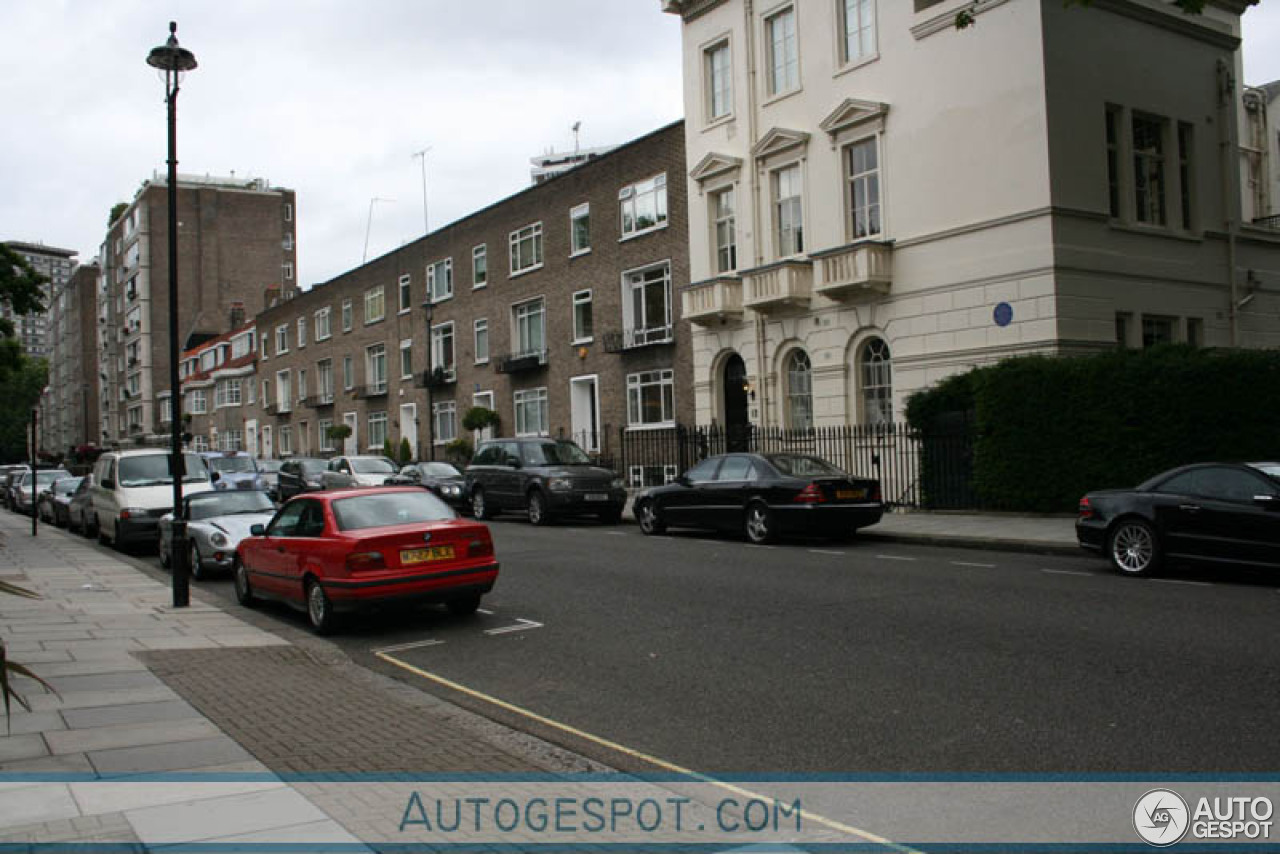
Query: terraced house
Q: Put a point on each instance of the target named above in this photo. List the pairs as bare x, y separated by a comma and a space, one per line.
217, 383
554, 307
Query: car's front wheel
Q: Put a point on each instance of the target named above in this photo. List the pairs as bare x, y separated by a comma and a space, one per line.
165, 562
480, 506
1134, 548
197, 571
647, 515
319, 608
538, 513
240, 578
759, 523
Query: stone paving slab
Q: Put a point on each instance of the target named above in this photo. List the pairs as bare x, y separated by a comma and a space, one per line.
98, 798
219, 817
39, 803
102, 738
134, 713
180, 756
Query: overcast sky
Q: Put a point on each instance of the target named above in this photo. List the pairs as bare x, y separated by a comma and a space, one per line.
331, 98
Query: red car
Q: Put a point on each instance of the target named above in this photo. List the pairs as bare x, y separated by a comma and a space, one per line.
336, 551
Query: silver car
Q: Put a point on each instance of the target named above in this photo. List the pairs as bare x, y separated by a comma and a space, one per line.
216, 523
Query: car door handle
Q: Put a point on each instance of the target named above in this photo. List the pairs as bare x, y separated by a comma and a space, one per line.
1189, 508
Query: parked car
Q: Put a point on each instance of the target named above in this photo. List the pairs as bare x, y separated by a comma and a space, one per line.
11, 479
299, 475
443, 479
764, 496
133, 489
346, 472
54, 501
1213, 513
270, 471
545, 478
80, 518
216, 523
234, 470
27, 488
333, 551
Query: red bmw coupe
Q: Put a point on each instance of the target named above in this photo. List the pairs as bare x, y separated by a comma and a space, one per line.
335, 551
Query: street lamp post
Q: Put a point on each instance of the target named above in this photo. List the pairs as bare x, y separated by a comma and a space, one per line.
429, 378
174, 60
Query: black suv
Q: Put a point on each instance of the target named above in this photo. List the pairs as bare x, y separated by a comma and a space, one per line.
546, 477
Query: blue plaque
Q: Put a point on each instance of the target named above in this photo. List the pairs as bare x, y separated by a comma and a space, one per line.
1003, 314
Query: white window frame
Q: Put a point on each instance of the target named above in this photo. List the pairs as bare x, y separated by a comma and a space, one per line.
581, 298
781, 74
377, 418
537, 398
406, 346
444, 422
729, 223
439, 333
873, 177
404, 293
576, 213
717, 81
863, 21
197, 403
324, 324
440, 280
374, 355
532, 234
282, 339
481, 324
663, 379
375, 300
641, 331
284, 388
795, 205
479, 253
324, 380
629, 199
323, 441
302, 332
288, 271
284, 440
520, 311
348, 315
348, 372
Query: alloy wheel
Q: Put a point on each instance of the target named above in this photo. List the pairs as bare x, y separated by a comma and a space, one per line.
759, 524
1133, 548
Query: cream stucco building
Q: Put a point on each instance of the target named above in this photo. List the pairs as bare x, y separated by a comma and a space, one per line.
878, 199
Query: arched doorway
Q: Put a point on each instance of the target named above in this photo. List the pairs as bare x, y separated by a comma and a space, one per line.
737, 423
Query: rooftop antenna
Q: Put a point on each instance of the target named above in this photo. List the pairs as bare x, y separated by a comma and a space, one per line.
576, 126
369, 225
426, 223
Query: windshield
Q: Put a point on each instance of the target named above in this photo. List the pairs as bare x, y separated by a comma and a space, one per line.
1272, 469
555, 453
44, 478
66, 485
270, 465
395, 508
230, 464
312, 466
439, 470
804, 466
153, 470
208, 504
372, 465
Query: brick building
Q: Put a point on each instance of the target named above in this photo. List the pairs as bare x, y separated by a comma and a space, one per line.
218, 381
236, 241
555, 307
56, 265
70, 416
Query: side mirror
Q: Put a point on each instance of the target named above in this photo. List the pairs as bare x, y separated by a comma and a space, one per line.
514, 462
215, 477
258, 530
682, 480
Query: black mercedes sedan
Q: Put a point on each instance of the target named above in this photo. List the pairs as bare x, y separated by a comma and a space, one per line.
441, 478
1217, 513
764, 496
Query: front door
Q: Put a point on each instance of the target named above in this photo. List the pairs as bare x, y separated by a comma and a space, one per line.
267, 450
251, 437
737, 423
584, 406
409, 427
485, 399
350, 447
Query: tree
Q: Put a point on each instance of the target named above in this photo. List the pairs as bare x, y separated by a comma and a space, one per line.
341, 432
480, 417
20, 289
20, 389
967, 16
406, 452
117, 210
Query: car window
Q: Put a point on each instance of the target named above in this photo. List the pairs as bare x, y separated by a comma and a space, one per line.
554, 453
801, 465
439, 470
703, 471
1179, 484
389, 508
312, 521
373, 465
286, 522
1230, 484
736, 469
510, 454
225, 465
228, 502
153, 470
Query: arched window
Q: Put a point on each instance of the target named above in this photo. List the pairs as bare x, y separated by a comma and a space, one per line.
799, 391
877, 382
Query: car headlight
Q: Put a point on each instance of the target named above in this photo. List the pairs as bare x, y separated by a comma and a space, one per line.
219, 539
617, 483
559, 484
453, 490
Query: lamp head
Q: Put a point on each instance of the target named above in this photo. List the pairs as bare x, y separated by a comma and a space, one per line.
171, 56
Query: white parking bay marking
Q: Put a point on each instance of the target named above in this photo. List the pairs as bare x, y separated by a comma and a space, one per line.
1067, 572
821, 552
403, 646
520, 626
966, 563
483, 611
616, 533
894, 557
1180, 581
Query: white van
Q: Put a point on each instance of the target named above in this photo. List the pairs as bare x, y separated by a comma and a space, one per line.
133, 489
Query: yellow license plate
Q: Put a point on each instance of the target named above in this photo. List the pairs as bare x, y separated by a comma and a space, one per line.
426, 555
850, 493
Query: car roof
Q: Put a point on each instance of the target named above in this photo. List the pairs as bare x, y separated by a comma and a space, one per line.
330, 495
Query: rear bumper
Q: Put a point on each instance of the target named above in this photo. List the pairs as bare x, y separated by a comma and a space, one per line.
349, 595
826, 518
137, 530
1091, 534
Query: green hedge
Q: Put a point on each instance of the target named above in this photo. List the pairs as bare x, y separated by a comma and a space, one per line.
1046, 430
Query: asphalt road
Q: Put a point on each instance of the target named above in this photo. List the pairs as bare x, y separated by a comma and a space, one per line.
719, 656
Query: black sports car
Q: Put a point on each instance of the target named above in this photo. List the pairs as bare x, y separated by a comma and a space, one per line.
763, 495
441, 478
1220, 513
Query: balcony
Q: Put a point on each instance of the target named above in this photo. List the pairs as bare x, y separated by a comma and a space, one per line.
632, 339
316, 401
438, 377
271, 409
1271, 222
852, 271
515, 363
375, 390
715, 301
786, 284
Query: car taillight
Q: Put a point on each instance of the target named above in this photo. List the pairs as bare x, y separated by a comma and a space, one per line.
1085, 509
480, 547
874, 495
124, 514
811, 494
363, 561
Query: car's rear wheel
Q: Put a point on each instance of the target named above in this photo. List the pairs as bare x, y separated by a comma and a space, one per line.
101, 534
464, 606
1134, 548
538, 513
319, 608
759, 523
240, 578
647, 515
479, 505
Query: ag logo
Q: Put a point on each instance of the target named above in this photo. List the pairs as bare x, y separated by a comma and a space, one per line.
1160, 817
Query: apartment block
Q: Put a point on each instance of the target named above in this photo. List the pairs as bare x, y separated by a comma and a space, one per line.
70, 411
236, 246
554, 307
878, 199
56, 265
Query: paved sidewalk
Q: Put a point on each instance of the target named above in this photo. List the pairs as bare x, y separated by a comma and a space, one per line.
146, 689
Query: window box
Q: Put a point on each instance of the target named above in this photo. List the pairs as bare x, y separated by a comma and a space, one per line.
366, 391
514, 363
713, 302
632, 339
437, 377
851, 271
778, 286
